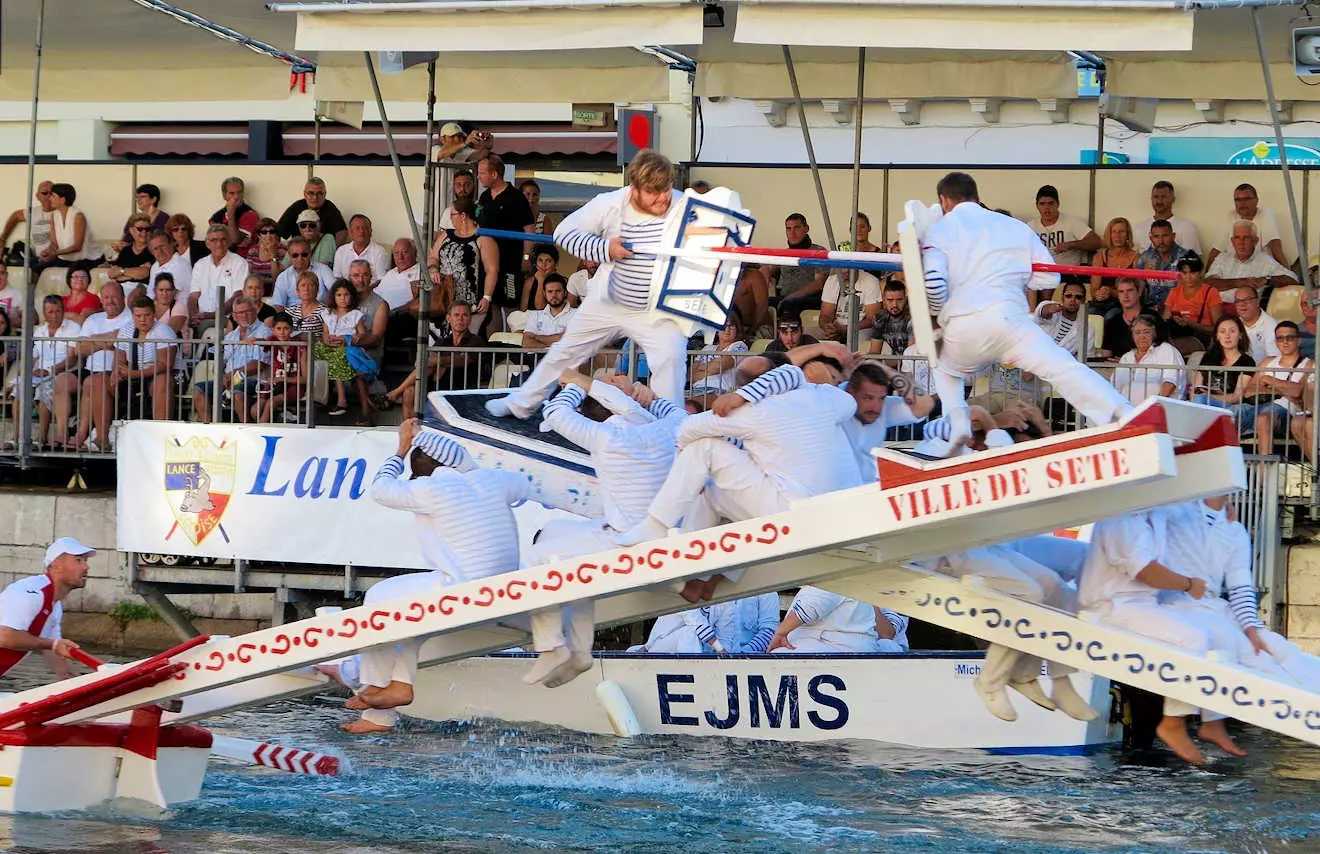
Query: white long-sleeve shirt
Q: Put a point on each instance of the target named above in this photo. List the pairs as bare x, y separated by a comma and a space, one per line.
1120, 549
823, 612
464, 519
796, 437
741, 625
864, 437
586, 234
1203, 543
975, 258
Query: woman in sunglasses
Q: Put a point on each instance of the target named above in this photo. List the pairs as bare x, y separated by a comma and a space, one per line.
266, 255
182, 231
133, 261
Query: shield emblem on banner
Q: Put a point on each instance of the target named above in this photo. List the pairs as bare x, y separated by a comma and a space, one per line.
199, 480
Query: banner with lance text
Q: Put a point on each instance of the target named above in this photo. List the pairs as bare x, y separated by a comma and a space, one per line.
270, 493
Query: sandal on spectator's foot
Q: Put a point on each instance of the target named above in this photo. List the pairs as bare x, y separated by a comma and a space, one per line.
382, 402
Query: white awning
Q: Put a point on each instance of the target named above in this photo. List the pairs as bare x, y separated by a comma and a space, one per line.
1044, 25
481, 26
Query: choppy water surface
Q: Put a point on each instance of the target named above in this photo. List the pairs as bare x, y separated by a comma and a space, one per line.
488, 787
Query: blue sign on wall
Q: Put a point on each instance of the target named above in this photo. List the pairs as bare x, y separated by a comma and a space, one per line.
1232, 151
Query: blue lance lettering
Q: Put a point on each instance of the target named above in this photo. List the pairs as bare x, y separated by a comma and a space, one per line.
828, 701
347, 478
731, 719
758, 699
666, 697
301, 487
263, 470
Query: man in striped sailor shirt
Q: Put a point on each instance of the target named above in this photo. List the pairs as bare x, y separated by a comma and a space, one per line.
603, 230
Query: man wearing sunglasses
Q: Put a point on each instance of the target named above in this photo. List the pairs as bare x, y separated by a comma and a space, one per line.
41, 219
323, 245
300, 259
790, 335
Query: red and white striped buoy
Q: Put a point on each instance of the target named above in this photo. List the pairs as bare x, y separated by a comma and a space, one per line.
290, 759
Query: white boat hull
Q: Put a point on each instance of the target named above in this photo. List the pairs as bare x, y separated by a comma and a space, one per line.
921, 700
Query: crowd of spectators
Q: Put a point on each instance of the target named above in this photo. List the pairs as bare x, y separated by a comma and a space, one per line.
320, 280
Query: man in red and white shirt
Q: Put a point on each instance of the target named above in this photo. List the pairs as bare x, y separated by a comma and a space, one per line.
31, 610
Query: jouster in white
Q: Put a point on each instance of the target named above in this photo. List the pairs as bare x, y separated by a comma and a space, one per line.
600, 231
877, 411
977, 265
465, 523
821, 621
739, 626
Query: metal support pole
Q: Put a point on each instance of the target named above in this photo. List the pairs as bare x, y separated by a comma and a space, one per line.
316, 143
1283, 154
811, 151
168, 612
424, 281
25, 399
218, 366
854, 309
428, 179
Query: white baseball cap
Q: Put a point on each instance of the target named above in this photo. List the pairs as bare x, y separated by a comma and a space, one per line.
66, 546
309, 215
451, 129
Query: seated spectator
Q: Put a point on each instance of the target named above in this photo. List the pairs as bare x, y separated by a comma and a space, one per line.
836, 300
1222, 388
893, 324
544, 262
253, 288
328, 217
266, 255
751, 297
1161, 203
165, 260
181, 231
1070, 239
71, 242
1118, 333
237, 216
323, 245
798, 288
9, 343
714, 371
375, 311
306, 310
454, 367
1258, 325
39, 213
147, 200
1277, 392
790, 335
1104, 298
1247, 264
281, 384
462, 265
361, 247
820, 621
243, 357
542, 222
220, 273
1117, 250
54, 382
98, 389
578, 282
80, 303
300, 261
168, 307
1308, 322
142, 380
400, 288
1162, 254
11, 299
1192, 309
132, 263
1155, 366
343, 323
546, 326
863, 229
1247, 206
1062, 321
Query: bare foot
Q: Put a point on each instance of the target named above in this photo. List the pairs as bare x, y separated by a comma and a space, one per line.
362, 726
331, 670
356, 703
692, 590
1217, 734
1173, 732
708, 587
394, 695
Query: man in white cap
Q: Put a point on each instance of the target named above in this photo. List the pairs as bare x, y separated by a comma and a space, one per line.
31, 609
465, 522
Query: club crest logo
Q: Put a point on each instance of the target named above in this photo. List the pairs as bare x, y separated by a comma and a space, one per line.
199, 480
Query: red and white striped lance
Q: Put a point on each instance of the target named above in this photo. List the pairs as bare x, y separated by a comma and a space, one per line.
282, 758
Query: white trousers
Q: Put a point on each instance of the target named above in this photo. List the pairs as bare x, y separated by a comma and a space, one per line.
1213, 616
672, 636
724, 479
381, 665
817, 640
1146, 617
595, 324
1012, 573
1009, 335
560, 539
